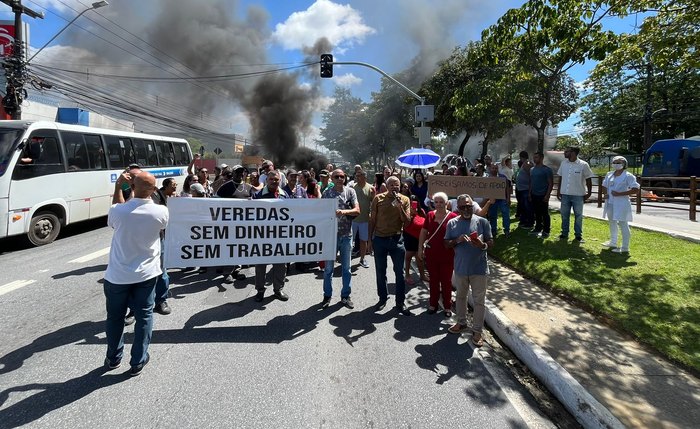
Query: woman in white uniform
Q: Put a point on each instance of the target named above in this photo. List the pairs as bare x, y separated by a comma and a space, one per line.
618, 185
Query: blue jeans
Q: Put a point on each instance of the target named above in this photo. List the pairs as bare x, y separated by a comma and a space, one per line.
389, 246
567, 202
345, 247
163, 284
503, 207
525, 208
140, 297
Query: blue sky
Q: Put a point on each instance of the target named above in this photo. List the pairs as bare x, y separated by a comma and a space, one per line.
385, 33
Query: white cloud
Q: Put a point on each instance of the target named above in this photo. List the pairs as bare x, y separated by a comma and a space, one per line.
340, 24
347, 80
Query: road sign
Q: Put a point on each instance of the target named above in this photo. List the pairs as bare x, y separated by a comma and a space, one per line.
218, 151
425, 113
423, 134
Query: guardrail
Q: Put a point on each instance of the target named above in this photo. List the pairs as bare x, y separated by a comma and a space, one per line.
647, 195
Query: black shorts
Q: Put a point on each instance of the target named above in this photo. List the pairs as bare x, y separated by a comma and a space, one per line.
410, 242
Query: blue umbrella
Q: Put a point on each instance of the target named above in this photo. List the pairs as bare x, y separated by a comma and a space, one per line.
418, 158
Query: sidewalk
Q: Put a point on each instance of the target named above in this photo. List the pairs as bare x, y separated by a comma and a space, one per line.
638, 388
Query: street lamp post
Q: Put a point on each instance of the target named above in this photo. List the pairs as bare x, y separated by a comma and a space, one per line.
96, 5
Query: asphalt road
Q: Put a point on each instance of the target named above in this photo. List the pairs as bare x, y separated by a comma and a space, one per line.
222, 360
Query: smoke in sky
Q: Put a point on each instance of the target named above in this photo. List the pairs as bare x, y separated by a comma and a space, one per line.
185, 38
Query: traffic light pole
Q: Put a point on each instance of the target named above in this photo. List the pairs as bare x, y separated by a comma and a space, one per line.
383, 73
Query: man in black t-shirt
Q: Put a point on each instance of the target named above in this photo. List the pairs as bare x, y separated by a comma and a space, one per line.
234, 188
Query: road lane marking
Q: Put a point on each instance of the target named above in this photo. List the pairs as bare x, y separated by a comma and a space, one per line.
9, 287
90, 256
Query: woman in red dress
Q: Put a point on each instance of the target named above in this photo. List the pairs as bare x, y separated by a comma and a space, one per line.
438, 259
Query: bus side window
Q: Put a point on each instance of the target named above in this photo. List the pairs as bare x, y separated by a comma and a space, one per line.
96, 154
115, 153
75, 151
182, 156
151, 153
141, 152
128, 153
165, 153
42, 150
41, 156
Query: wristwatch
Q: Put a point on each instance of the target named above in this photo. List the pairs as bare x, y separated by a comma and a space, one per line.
486, 246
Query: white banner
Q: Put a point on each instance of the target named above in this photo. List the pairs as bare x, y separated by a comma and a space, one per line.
221, 231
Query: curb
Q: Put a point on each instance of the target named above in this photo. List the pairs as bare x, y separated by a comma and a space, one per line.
575, 398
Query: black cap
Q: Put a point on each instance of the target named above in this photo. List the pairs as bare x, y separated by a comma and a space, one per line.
292, 172
237, 167
323, 172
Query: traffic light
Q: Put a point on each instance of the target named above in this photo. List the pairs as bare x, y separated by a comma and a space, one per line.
326, 65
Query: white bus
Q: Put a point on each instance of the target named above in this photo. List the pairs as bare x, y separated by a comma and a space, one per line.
54, 174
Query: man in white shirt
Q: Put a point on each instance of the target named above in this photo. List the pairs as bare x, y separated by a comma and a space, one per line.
268, 166
574, 188
133, 269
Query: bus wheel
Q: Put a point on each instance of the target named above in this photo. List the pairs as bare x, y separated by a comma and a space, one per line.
44, 228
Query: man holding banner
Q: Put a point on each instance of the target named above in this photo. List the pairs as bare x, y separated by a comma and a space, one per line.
279, 271
348, 207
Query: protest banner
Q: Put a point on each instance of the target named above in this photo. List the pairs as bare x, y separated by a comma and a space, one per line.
221, 231
476, 187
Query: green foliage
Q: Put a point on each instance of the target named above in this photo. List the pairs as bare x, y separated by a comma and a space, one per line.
348, 128
544, 39
196, 144
655, 70
651, 293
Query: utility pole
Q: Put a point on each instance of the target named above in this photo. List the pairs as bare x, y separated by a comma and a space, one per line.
14, 65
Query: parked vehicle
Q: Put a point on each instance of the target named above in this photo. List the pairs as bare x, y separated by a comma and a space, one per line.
666, 159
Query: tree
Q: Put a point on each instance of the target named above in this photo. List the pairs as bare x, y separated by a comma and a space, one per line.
196, 146
346, 128
653, 71
545, 39
469, 97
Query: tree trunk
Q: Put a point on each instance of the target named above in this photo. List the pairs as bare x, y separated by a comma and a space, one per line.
540, 138
485, 147
460, 152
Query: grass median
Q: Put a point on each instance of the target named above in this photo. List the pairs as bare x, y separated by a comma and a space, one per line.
653, 293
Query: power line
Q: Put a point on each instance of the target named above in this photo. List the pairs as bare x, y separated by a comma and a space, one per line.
120, 47
178, 79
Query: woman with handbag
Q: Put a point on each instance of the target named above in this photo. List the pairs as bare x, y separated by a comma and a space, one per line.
438, 259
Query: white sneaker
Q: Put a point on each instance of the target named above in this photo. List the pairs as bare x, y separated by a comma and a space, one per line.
620, 250
609, 244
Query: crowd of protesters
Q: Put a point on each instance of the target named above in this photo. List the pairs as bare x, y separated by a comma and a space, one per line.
394, 217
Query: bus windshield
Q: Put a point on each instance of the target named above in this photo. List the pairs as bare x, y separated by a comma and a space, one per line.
8, 144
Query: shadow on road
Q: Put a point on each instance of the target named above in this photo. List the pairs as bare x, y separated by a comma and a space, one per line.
53, 396
277, 330
80, 271
87, 331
